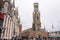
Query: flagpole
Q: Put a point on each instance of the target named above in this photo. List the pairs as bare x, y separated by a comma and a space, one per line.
54, 34
53, 31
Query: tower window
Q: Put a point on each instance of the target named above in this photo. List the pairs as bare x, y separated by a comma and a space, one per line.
34, 27
38, 29
37, 17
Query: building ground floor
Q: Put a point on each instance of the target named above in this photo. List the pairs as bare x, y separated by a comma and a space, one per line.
32, 38
53, 38
49, 38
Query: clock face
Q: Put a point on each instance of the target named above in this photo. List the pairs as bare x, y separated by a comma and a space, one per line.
6, 5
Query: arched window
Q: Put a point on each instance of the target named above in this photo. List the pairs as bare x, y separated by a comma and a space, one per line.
38, 29
6, 7
34, 27
37, 17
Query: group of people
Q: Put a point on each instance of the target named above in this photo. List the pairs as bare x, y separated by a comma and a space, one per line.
31, 38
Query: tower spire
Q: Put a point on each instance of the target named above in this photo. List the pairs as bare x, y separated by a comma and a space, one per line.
52, 26
44, 28
8, 1
13, 4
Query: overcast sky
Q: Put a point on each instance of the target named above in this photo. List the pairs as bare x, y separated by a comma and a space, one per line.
49, 10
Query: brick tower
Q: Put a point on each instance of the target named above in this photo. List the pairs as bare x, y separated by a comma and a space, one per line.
36, 18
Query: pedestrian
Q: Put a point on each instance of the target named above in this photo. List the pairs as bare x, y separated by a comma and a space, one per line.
34, 38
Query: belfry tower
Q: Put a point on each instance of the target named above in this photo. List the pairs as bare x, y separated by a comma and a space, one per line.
36, 18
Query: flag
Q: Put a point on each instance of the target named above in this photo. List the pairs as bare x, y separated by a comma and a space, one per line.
1, 15
52, 26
